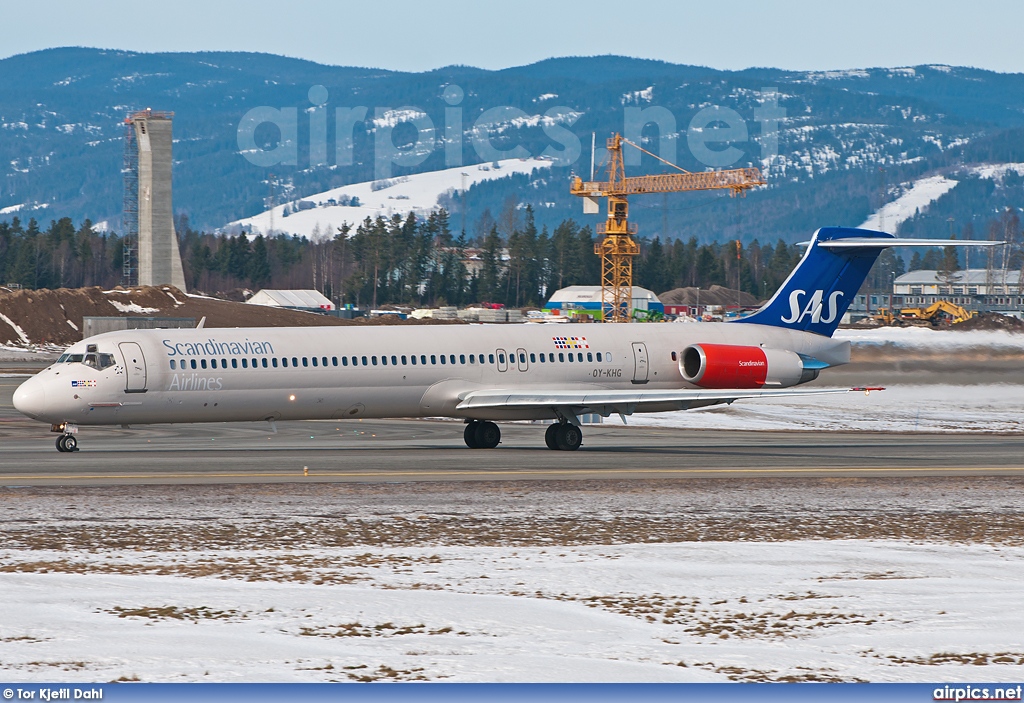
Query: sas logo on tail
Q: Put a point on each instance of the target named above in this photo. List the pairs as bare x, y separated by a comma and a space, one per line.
812, 307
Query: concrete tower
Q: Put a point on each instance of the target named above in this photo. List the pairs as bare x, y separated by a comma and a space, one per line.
159, 259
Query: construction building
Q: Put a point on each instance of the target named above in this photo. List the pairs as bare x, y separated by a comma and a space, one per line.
306, 300
589, 300
152, 256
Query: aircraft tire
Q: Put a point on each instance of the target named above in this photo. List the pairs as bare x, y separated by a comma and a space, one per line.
569, 437
550, 436
487, 435
470, 434
60, 443
70, 443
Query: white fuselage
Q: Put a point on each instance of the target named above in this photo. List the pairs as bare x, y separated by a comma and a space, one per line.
223, 374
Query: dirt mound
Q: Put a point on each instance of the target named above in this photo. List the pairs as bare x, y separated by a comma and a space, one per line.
715, 295
990, 321
55, 316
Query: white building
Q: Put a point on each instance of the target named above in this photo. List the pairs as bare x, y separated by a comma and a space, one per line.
589, 298
975, 289
292, 299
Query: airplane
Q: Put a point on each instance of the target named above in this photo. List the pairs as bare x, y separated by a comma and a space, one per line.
477, 373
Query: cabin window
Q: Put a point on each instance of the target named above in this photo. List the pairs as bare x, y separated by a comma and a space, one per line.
472, 358
490, 358
607, 356
173, 364
394, 360
305, 361
590, 356
433, 359
501, 358
223, 363
323, 361
264, 362
245, 363
673, 356
413, 359
551, 357
295, 361
365, 362
543, 358
405, 360
570, 357
599, 356
533, 358
522, 358
373, 360
202, 363
384, 360
579, 357
234, 363
442, 359
561, 357
423, 359
334, 361
344, 361
462, 358
192, 363
314, 361
284, 362
273, 362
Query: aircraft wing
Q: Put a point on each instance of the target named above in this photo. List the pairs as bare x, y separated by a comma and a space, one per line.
626, 402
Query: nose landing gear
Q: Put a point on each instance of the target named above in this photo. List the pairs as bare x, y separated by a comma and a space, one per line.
67, 443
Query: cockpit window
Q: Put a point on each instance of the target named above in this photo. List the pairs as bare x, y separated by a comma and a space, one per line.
97, 361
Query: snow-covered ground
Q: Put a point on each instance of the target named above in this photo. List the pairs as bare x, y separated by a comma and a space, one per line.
919, 197
917, 408
923, 338
416, 193
714, 611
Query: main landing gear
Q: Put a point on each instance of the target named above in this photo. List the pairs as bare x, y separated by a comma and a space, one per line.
67, 443
481, 434
564, 436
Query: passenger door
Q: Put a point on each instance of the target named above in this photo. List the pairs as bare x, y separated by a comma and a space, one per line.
640, 365
502, 360
135, 367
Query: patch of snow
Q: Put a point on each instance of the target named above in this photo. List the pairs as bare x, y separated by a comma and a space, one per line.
11, 209
393, 118
921, 194
925, 338
20, 332
132, 307
545, 96
910, 408
871, 610
997, 171
73, 325
638, 96
417, 193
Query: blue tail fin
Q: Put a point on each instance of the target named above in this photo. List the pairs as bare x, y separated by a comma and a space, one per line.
817, 294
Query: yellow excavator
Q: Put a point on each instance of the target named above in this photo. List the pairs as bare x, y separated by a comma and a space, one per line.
938, 313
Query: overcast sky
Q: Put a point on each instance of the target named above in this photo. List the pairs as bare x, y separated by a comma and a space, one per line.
420, 35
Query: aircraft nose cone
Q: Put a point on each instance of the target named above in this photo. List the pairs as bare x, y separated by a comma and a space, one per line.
30, 398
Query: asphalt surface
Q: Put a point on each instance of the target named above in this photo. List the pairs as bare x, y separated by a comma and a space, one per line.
400, 451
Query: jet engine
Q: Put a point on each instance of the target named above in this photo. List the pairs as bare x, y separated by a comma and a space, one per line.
734, 366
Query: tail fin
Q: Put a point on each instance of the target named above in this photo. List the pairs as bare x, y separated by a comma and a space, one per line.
820, 289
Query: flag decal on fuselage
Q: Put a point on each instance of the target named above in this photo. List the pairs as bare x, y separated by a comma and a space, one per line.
570, 343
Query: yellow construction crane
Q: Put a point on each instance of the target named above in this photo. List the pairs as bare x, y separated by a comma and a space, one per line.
617, 246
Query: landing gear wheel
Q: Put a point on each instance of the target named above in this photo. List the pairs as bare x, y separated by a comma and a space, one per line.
568, 437
470, 434
488, 436
67, 443
60, 443
549, 436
